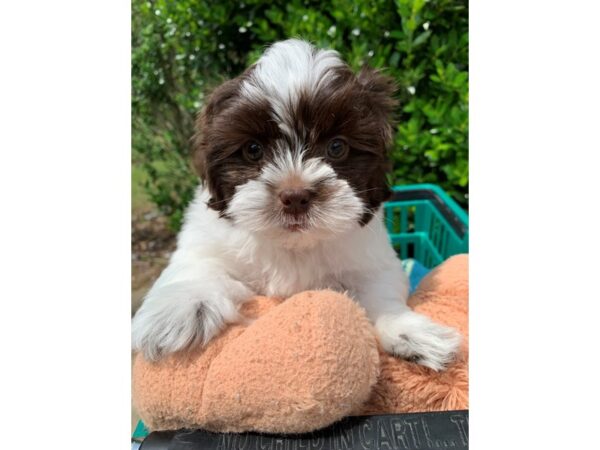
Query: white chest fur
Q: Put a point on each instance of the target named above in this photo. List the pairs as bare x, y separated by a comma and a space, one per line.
270, 268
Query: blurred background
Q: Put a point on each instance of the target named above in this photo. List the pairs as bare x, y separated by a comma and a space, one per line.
181, 49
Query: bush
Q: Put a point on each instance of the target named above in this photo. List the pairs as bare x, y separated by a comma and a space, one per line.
181, 48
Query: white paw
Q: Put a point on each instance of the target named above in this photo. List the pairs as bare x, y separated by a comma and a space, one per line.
417, 338
181, 315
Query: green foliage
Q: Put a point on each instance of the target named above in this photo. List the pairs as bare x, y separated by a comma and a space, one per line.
182, 48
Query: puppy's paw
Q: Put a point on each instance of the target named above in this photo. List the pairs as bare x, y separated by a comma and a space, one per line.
179, 316
416, 338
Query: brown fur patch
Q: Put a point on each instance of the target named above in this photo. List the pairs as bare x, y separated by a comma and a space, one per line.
228, 122
359, 109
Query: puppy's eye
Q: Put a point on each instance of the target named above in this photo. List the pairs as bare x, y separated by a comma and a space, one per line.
337, 149
253, 151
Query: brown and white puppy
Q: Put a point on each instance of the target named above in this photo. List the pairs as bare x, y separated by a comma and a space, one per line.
293, 158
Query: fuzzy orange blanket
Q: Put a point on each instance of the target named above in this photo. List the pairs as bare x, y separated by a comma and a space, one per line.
305, 363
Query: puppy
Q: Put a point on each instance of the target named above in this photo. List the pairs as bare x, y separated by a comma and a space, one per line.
293, 160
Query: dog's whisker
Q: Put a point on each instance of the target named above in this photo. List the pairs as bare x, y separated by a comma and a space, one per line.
367, 190
228, 199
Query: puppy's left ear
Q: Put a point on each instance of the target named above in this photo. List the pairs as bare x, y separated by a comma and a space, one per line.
380, 90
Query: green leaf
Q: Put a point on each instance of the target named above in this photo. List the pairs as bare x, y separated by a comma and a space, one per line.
421, 38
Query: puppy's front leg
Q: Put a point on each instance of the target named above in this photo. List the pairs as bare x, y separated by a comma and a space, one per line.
188, 305
402, 331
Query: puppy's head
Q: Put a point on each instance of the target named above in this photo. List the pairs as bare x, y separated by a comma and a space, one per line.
295, 147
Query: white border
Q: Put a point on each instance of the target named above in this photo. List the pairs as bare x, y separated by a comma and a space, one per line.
65, 224
534, 221
64, 233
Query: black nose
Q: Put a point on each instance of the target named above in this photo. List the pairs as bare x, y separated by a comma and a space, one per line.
295, 201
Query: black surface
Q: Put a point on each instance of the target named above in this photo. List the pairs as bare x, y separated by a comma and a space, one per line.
438, 430
425, 194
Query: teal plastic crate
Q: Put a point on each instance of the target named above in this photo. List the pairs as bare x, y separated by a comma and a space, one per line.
426, 224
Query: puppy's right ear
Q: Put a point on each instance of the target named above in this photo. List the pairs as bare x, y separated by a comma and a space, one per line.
216, 103
379, 90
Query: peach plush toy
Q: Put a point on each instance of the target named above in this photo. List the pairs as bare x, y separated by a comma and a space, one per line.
305, 363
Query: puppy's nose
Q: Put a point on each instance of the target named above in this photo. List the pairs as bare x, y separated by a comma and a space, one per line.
295, 201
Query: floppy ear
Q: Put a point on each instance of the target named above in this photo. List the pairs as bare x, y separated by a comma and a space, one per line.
379, 90
378, 94
217, 101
